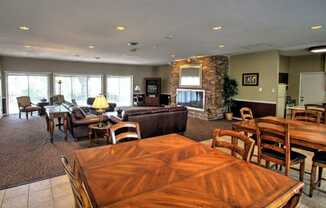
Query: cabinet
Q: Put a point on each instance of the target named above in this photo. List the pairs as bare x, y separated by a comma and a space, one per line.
152, 91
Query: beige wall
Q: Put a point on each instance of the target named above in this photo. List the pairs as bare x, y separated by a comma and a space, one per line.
42, 65
297, 64
164, 73
266, 64
284, 64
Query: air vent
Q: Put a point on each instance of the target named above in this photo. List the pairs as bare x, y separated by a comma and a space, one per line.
133, 49
258, 46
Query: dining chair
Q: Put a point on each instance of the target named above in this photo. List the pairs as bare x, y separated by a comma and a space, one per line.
25, 105
81, 196
318, 108
124, 131
246, 113
273, 141
318, 161
244, 153
309, 115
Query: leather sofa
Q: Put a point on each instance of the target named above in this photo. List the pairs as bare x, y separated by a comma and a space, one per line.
158, 121
79, 122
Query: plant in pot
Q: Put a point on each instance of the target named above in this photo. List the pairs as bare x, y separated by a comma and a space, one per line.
230, 90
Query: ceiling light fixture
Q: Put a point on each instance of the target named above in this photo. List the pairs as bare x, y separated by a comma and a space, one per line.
24, 28
27, 46
318, 49
91, 46
221, 46
120, 28
316, 27
132, 43
169, 37
215, 28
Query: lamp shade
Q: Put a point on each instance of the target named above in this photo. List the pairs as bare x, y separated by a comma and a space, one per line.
137, 88
100, 102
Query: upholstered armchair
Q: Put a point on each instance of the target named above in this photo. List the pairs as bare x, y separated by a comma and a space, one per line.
25, 105
57, 99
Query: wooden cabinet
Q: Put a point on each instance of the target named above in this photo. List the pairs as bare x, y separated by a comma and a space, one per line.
152, 91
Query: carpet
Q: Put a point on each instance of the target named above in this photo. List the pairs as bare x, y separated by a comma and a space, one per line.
26, 154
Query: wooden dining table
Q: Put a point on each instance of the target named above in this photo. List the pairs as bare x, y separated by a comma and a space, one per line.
302, 134
175, 171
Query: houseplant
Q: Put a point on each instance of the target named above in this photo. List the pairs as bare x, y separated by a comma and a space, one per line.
230, 89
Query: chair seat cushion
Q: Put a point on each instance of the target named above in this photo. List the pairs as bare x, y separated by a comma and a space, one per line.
295, 156
320, 157
32, 108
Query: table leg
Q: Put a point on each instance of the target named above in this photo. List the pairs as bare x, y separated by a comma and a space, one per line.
59, 122
65, 126
47, 123
51, 128
90, 136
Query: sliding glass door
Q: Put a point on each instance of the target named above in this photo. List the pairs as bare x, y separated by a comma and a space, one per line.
34, 86
78, 87
119, 90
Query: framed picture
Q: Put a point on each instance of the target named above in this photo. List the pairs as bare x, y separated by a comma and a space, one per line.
250, 79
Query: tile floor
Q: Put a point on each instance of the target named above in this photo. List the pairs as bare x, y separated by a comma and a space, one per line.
51, 193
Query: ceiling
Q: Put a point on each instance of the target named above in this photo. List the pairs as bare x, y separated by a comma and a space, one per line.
63, 29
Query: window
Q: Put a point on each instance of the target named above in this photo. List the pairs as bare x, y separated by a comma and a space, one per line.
34, 86
119, 90
78, 87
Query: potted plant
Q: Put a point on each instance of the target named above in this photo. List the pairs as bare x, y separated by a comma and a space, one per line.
230, 90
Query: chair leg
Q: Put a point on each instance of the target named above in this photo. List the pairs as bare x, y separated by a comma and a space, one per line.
320, 175
27, 115
20, 114
312, 179
302, 166
32, 113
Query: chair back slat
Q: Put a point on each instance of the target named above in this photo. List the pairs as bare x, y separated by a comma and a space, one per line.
82, 199
246, 114
243, 152
132, 131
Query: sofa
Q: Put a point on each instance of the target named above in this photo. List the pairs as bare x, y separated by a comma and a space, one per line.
158, 121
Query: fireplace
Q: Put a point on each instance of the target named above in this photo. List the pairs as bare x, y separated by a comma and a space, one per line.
191, 98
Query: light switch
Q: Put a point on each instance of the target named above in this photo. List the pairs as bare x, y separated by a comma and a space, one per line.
260, 89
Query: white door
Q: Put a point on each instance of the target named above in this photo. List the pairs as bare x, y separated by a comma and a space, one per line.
312, 88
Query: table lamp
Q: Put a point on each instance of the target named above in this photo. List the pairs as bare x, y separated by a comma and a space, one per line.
137, 89
100, 104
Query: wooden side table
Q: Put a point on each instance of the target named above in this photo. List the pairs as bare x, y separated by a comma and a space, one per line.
94, 131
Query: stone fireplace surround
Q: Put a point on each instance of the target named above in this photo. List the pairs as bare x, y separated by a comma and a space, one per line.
213, 71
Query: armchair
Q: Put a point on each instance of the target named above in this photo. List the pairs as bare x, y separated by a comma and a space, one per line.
25, 105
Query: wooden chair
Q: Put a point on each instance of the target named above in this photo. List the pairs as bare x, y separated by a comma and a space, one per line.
124, 131
318, 108
310, 114
244, 153
82, 199
25, 105
273, 141
318, 161
246, 114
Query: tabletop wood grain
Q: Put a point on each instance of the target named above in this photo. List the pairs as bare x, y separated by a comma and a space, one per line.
305, 134
174, 171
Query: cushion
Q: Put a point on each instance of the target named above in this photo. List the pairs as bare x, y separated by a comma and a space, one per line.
32, 108
319, 157
295, 156
78, 113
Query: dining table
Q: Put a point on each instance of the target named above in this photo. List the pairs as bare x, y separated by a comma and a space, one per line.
302, 134
175, 171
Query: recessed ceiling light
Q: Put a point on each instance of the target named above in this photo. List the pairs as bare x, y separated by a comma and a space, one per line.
91, 46
316, 27
27, 46
169, 37
318, 49
221, 46
217, 28
24, 28
120, 28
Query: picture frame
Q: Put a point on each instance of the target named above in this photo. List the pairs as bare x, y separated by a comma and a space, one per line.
250, 79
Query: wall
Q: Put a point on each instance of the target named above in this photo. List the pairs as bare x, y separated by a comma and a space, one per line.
284, 64
264, 63
42, 65
213, 71
297, 64
164, 73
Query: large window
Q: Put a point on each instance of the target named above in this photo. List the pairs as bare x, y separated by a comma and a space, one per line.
119, 90
78, 87
34, 86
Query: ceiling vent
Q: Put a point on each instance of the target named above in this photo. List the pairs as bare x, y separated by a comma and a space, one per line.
258, 46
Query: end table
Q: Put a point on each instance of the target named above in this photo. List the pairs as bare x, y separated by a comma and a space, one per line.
95, 131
